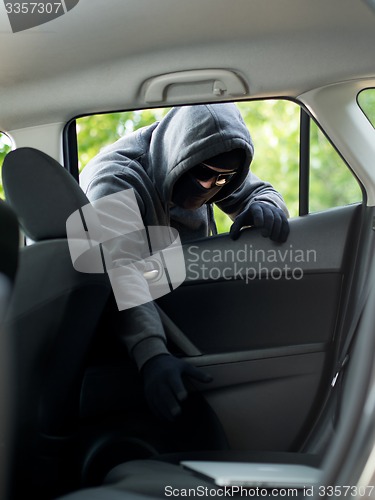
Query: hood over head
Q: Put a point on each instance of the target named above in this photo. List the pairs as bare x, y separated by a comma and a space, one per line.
189, 135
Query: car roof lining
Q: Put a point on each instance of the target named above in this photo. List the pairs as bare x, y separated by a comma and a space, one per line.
98, 60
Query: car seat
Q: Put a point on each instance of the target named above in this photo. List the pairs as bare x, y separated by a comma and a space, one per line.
158, 478
52, 317
9, 243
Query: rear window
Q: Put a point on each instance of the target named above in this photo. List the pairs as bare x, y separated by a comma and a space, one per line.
5, 147
366, 101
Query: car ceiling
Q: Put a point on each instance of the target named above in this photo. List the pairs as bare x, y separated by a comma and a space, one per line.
97, 56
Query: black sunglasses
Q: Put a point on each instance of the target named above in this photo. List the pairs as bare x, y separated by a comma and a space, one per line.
203, 172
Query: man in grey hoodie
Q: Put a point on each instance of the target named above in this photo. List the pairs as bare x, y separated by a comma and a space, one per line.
178, 167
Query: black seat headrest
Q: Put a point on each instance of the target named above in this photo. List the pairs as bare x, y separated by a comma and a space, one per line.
41, 192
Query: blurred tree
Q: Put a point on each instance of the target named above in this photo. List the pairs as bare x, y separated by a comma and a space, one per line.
5, 147
97, 131
332, 184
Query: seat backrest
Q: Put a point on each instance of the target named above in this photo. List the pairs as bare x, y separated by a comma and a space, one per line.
9, 243
53, 317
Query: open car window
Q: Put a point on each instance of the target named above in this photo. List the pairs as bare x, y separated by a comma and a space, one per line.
366, 101
275, 126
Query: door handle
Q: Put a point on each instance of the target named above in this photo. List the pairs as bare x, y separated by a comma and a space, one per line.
151, 275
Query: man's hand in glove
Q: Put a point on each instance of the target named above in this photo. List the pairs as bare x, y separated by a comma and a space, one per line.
272, 220
164, 385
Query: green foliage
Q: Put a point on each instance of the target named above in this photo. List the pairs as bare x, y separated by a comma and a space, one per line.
274, 127
366, 100
97, 131
332, 184
5, 147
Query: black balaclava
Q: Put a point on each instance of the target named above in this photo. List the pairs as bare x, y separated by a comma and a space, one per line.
190, 194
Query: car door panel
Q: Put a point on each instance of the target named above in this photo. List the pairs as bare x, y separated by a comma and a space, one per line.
267, 341
263, 404
232, 316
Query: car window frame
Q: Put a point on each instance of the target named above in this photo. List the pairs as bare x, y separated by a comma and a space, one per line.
70, 150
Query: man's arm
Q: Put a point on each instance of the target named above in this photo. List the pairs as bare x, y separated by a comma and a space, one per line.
126, 247
256, 203
253, 189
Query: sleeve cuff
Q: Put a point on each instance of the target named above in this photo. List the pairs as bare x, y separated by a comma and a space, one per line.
147, 349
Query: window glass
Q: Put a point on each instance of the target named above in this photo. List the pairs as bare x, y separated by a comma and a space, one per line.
273, 124
97, 131
5, 147
275, 128
366, 100
332, 184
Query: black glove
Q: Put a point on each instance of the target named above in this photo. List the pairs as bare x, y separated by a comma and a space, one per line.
271, 219
163, 384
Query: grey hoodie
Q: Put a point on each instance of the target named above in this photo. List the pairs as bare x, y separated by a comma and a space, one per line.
150, 161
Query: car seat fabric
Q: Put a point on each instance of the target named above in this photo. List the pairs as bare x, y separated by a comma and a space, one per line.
148, 479
52, 318
9, 243
42, 193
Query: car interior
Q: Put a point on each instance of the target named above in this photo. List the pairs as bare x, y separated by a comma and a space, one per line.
285, 330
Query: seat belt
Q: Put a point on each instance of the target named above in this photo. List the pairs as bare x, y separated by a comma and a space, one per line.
176, 336
345, 351
330, 404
